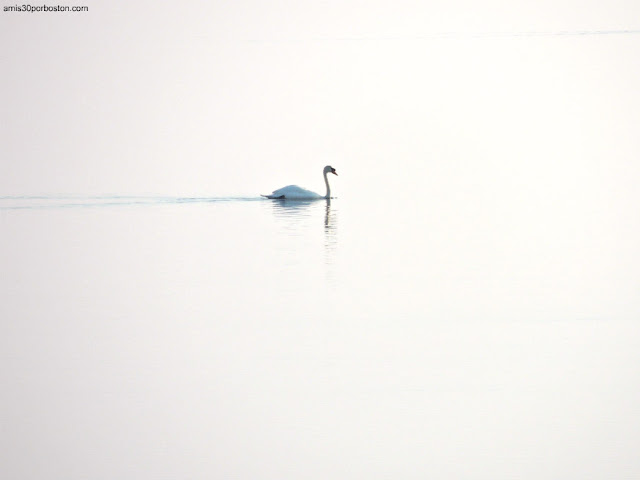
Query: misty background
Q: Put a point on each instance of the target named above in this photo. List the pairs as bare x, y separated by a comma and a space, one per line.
237, 97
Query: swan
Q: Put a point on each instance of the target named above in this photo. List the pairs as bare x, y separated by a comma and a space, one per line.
294, 192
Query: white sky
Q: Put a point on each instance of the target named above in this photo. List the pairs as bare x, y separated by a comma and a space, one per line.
244, 97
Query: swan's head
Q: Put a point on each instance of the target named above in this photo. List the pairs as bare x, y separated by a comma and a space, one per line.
329, 169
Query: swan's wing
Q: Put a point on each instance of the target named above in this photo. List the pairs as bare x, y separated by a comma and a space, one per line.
289, 189
293, 191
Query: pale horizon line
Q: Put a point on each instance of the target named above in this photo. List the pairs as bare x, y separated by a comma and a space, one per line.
457, 35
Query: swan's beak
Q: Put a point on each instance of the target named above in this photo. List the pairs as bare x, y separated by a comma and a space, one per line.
334, 172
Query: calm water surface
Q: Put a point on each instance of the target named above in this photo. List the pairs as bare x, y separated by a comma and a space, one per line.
176, 337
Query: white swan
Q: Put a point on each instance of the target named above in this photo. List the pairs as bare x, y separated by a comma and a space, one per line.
294, 192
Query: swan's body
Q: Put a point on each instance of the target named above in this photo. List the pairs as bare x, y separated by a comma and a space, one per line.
294, 192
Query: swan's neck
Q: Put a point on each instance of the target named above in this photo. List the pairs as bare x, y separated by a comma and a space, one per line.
326, 182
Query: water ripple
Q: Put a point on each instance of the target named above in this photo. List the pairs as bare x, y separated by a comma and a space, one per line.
19, 202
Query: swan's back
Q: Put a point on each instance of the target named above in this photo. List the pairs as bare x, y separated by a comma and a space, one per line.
293, 192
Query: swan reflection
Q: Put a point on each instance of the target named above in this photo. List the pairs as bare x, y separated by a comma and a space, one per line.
300, 217
330, 229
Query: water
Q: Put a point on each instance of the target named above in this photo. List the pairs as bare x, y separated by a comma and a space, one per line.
364, 337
